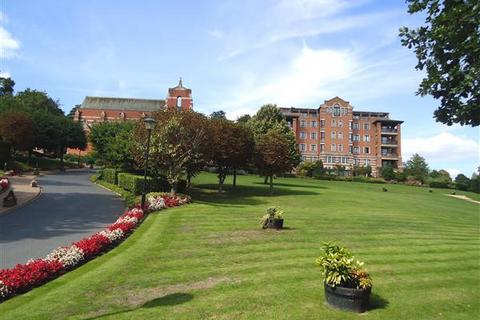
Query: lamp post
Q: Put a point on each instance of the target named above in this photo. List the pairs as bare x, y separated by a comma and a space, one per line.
149, 124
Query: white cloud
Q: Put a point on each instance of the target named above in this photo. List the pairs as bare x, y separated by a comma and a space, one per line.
8, 44
454, 172
4, 74
443, 147
305, 79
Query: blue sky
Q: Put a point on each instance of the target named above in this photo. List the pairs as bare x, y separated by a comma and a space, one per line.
235, 56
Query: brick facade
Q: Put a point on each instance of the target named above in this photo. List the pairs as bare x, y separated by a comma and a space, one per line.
101, 109
338, 135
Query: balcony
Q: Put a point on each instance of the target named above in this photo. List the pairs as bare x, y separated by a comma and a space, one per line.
389, 142
388, 130
388, 155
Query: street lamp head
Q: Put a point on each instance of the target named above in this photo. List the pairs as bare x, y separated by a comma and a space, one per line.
149, 123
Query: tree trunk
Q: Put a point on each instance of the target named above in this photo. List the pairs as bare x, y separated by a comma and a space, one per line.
221, 179
234, 177
266, 180
30, 157
189, 181
271, 184
173, 191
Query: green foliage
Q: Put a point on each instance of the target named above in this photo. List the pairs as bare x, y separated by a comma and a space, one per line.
387, 172
134, 183
341, 269
6, 86
475, 183
180, 145
438, 183
368, 180
110, 175
268, 118
112, 142
244, 119
311, 169
218, 115
273, 213
447, 47
462, 182
417, 167
273, 154
130, 198
17, 129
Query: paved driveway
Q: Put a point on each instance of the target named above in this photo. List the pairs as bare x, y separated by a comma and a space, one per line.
69, 208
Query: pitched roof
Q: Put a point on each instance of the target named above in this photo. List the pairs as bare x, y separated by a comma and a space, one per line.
110, 103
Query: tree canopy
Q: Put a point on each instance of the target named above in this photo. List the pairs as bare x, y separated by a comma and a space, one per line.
447, 47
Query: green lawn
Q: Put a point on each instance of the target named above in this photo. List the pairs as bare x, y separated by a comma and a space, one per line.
211, 260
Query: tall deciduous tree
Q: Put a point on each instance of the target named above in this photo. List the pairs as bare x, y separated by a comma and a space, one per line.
6, 86
17, 128
447, 47
244, 144
227, 147
417, 167
273, 154
269, 117
218, 114
112, 142
175, 144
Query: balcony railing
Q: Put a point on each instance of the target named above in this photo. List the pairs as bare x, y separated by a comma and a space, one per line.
389, 130
389, 142
389, 155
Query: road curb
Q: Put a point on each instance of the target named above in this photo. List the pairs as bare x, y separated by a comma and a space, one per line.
9, 210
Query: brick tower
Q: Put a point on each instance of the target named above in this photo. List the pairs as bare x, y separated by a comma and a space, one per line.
179, 98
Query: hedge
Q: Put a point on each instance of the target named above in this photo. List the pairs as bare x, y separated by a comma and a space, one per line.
110, 175
134, 184
439, 184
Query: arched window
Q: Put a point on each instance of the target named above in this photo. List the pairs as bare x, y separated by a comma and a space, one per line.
179, 103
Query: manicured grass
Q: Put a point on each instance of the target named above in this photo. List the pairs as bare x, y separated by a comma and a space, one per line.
211, 260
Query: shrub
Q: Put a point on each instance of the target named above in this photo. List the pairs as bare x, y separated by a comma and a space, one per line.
110, 175
134, 184
368, 180
273, 213
340, 268
438, 183
387, 173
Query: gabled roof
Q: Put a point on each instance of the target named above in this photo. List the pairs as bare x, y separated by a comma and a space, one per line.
338, 100
109, 103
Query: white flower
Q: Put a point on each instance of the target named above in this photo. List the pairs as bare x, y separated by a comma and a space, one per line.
4, 292
127, 219
114, 235
68, 256
156, 203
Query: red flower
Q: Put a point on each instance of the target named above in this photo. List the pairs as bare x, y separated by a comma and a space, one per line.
124, 226
25, 276
93, 245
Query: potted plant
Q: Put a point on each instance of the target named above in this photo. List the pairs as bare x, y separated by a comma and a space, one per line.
347, 285
273, 218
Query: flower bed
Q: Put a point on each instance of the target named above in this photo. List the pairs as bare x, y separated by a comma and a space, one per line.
4, 184
24, 277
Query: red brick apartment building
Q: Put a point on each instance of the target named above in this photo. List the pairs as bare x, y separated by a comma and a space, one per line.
337, 135
101, 109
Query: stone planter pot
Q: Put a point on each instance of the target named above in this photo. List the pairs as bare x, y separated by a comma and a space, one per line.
349, 299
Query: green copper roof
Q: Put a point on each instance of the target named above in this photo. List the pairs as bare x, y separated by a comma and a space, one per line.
108, 103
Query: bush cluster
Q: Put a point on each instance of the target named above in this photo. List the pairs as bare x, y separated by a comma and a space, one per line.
134, 184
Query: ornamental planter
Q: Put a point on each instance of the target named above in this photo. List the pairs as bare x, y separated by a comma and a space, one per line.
349, 299
276, 224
